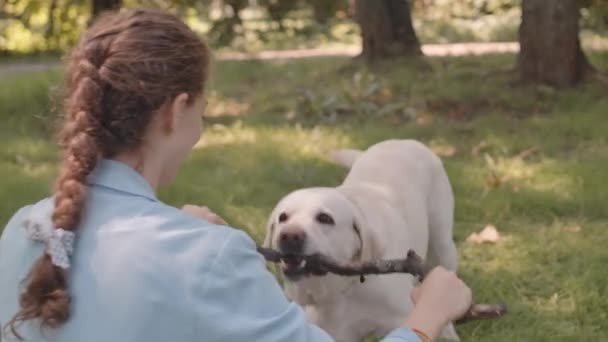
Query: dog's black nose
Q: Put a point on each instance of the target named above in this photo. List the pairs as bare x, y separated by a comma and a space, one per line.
292, 241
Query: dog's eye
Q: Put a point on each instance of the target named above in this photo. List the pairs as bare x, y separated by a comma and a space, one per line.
283, 217
324, 218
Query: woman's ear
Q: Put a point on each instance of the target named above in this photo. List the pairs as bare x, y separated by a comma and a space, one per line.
175, 112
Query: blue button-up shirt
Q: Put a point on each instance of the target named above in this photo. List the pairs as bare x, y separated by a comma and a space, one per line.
143, 271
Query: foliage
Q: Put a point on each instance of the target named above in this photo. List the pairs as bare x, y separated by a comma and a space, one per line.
362, 95
595, 14
48, 25
40, 24
55, 24
465, 8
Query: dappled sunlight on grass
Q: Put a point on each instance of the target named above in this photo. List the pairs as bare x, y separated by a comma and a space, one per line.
314, 142
556, 303
29, 149
507, 255
222, 135
296, 140
253, 219
540, 270
234, 163
222, 106
22, 185
28, 165
40, 170
548, 176
541, 176
242, 182
527, 159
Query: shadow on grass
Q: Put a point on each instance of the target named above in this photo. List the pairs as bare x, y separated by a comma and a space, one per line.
549, 275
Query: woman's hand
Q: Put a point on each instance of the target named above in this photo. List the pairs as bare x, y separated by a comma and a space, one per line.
441, 298
203, 213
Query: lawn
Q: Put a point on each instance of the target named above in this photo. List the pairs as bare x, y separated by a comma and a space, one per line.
527, 159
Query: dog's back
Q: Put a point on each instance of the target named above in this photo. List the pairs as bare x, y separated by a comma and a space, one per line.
388, 162
413, 178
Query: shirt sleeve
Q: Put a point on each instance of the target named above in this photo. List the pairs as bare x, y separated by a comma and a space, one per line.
242, 301
9, 234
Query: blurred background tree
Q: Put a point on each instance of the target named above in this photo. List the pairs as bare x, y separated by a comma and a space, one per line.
386, 29
549, 42
99, 6
383, 29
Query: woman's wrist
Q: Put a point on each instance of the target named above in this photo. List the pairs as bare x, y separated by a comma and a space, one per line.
427, 322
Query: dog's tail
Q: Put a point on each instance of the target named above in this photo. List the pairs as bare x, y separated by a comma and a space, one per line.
345, 157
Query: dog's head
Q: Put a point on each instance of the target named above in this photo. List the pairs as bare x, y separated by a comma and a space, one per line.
318, 220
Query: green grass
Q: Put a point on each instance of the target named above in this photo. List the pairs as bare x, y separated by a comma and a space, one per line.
273, 121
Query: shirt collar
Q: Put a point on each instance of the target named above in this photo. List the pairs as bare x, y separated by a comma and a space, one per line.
121, 177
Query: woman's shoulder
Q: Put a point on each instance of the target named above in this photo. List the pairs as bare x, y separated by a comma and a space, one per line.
178, 221
16, 250
170, 229
36, 212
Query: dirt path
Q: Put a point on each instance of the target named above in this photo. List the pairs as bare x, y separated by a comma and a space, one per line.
457, 49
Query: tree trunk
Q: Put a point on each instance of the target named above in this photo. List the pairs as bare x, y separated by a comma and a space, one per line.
324, 10
386, 29
100, 6
550, 49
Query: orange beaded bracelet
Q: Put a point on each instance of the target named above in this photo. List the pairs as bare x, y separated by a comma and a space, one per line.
424, 337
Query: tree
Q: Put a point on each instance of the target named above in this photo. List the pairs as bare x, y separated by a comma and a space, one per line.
278, 9
550, 48
99, 6
224, 30
324, 10
386, 29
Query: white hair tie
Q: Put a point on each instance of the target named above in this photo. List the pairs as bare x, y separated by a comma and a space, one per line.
59, 242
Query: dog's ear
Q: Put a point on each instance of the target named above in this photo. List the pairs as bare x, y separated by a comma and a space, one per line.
269, 230
371, 244
268, 238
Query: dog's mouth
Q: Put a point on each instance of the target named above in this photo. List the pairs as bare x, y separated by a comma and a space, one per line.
293, 267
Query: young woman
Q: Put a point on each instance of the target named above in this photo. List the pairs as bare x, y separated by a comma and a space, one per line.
104, 260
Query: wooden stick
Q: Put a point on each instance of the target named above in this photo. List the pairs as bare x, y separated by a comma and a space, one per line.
319, 265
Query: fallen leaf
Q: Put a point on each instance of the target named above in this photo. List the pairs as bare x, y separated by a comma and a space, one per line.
494, 181
488, 234
444, 150
424, 119
479, 148
384, 95
573, 228
527, 153
554, 298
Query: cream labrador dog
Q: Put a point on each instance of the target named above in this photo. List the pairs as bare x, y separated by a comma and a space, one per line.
396, 196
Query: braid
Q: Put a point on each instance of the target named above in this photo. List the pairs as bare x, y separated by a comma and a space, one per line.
80, 157
79, 141
45, 295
